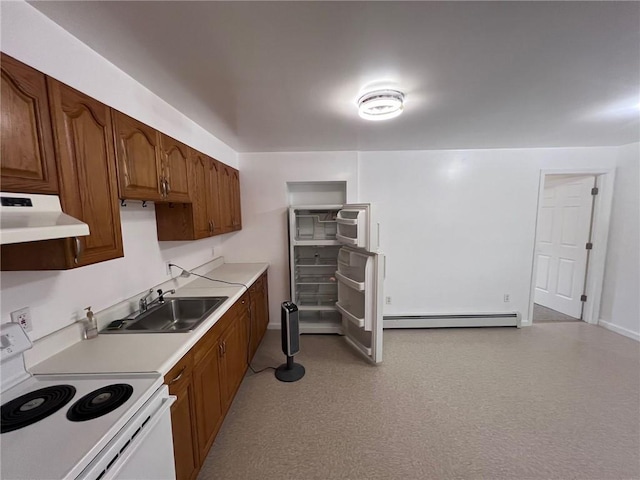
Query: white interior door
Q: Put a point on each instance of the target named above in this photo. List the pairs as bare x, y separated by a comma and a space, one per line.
563, 232
360, 278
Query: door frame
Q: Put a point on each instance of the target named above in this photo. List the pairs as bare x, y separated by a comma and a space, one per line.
605, 178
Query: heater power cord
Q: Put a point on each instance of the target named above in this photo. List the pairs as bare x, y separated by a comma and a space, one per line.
186, 273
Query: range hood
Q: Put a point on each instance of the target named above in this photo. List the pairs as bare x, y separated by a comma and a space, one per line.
31, 217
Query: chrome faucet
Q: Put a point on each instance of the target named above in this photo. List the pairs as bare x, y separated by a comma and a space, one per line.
144, 304
143, 301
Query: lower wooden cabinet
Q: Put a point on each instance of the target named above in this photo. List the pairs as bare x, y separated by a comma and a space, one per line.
259, 312
207, 378
183, 419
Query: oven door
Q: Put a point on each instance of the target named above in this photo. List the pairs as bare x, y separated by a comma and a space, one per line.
143, 449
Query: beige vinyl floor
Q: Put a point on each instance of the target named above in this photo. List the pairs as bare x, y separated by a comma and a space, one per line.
555, 400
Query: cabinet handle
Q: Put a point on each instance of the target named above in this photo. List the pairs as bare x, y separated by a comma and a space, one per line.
220, 350
167, 186
210, 226
179, 376
163, 182
78, 249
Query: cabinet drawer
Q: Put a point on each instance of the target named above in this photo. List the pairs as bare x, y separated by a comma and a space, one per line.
180, 374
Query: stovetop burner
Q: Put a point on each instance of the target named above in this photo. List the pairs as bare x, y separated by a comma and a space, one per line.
34, 406
100, 402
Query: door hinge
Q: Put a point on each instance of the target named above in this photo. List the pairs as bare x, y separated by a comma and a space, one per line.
594, 191
589, 246
583, 298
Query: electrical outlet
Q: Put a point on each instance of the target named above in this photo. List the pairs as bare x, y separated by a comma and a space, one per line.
167, 263
507, 298
387, 300
23, 317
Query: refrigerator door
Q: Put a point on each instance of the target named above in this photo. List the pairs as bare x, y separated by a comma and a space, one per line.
360, 278
356, 227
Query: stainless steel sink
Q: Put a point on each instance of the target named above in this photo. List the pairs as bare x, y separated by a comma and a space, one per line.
175, 315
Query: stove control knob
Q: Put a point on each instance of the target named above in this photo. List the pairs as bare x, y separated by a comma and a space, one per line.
6, 341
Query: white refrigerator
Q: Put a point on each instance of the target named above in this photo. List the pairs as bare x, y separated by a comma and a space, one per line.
337, 273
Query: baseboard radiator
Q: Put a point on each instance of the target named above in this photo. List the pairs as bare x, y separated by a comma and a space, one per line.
511, 319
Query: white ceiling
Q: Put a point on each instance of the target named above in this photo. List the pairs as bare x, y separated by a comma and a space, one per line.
285, 76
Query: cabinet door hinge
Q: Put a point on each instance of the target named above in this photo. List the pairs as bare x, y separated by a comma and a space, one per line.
583, 298
589, 246
594, 191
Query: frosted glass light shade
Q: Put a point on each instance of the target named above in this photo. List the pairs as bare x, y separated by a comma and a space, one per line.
381, 105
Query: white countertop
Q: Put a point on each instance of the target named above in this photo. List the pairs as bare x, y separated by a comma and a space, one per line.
153, 352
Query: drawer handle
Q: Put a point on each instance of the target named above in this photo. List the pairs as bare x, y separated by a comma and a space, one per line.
179, 376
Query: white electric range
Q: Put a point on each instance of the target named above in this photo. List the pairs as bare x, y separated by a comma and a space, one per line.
102, 426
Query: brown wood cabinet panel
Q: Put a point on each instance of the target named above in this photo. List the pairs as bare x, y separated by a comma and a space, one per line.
27, 155
234, 354
206, 384
87, 186
226, 199
175, 156
236, 214
138, 155
88, 191
201, 218
213, 196
183, 418
184, 442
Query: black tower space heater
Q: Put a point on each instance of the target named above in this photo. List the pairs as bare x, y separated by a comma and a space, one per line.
290, 371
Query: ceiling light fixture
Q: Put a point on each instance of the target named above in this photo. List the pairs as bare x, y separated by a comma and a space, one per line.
381, 105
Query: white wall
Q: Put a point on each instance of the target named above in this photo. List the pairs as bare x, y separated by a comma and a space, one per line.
34, 39
620, 309
457, 226
57, 298
263, 183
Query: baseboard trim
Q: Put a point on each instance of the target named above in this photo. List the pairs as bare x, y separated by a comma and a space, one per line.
453, 320
620, 330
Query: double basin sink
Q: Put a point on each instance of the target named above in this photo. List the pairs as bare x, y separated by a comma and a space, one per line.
175, 315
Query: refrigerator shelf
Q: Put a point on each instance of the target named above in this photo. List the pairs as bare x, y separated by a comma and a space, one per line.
359, 286
347, 240
317, 308
313, 243
314, 279
316, 262
359, 322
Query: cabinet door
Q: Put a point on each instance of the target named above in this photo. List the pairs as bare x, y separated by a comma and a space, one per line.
199, 175
174, 181
254, 331
263, 308
213, 196
236, 216
183, 418
234, 355
184, 447
226, 203
27, 155
138, 155
206, 385
83, 133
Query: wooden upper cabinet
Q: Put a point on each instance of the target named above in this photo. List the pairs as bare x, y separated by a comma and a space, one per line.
27, 155
88, 190
174, 184
213, 196
236, 216
201, 218
226, 198
138, 156
199, 174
